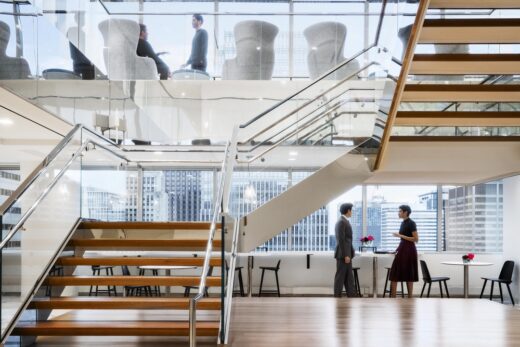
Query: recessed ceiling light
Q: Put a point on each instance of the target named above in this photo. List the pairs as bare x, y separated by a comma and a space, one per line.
258, 48
293, 153
183, 94
366, 158
157, 153
314, 48
292, 159
6, 121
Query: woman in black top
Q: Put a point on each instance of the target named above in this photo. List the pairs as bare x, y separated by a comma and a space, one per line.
404, 268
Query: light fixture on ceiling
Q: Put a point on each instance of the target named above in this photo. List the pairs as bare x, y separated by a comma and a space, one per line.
6, 121
293, 153
158, 153
183, 94
258, 48
292, 159
314, 48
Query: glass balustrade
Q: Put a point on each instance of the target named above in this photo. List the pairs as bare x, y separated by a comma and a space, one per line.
107, 91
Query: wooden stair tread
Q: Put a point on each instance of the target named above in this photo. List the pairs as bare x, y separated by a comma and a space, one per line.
110, 303
133, 243
461, 93
113, 328
402, 138
136, 261
465, 64
146, 225
130, 281
470, 30
459, 118
478, 4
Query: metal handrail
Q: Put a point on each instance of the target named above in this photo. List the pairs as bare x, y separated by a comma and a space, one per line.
231, 280
217, 209
321, 78
9, 202
319, 96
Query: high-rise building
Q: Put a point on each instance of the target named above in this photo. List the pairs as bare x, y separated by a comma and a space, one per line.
426, 221
106, 206
9, 180
473, 216
189, 194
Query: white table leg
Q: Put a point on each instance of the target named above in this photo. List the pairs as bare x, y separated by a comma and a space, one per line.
250, 276
466, 281
374, 277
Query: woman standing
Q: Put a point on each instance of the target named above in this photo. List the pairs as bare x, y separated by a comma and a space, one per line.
405, 268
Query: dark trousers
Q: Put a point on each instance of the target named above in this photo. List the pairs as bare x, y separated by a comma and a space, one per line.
344, 278
199, 67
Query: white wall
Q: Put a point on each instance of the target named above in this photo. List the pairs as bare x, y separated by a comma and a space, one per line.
296, 279
512, 228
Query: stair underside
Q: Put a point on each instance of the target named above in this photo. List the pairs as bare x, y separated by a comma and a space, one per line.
130, 281
136, 261
122, 303
113, 328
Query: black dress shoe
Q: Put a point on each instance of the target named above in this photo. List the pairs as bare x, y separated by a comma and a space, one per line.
337, 296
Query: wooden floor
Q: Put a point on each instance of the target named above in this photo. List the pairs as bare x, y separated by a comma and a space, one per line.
330, 322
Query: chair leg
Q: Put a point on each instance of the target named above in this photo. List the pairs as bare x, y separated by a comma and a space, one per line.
422, 291
510, 295
240, 282
446, 287
501, 296
491, 293
386, 282
356, 281
277, 283
483, 287
261, 283
429, 288
440, 286
402, 290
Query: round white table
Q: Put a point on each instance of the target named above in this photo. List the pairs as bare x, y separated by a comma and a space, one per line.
466, 271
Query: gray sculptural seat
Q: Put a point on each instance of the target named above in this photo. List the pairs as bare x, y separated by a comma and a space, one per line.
10, 68
255, 52
122, 62
326, 41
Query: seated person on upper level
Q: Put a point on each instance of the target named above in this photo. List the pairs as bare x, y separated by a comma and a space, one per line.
10, 68
199, 45
144, 49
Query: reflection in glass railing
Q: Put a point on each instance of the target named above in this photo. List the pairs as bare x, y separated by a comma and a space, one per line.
132, 110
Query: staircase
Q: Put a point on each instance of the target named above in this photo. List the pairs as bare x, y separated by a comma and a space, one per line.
96, 244
448, 95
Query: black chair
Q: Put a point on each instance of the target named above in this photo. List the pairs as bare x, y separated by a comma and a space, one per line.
429, 280
187, 289
56, 270
386, 285
506, 275
270, 268
356, 281
240, 281
135, 290
156, 290
96, 271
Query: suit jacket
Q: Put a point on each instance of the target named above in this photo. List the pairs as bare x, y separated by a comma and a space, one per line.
344, 246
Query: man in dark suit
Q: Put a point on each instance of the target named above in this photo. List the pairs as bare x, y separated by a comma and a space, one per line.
344, 253
144, 49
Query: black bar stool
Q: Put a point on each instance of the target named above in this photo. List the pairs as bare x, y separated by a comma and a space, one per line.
56, 270
240, 281
429, 280
187, 289
270, 268
386, 284
356, 280
96, 271
135, 290
156, 290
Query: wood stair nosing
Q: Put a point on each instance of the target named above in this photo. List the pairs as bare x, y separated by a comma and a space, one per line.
465, 64
146, 225
113, 328
121, 303
461, 93
459, 118
133, 243
478, 4
136, 261
470, 31
63, 281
